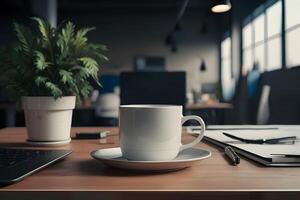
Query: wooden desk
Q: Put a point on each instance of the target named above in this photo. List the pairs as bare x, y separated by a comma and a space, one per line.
212, 178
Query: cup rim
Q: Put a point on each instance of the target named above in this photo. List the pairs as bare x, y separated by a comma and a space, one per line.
150, 106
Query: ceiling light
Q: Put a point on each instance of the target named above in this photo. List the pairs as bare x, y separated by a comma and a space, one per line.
221, 6
202, 66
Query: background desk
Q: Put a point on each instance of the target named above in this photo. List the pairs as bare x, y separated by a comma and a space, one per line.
86, 178
212, 113
200, 106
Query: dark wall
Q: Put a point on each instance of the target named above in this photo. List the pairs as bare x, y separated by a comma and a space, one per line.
130, 32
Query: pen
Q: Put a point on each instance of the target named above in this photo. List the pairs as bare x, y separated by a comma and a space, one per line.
232, 155
91, 135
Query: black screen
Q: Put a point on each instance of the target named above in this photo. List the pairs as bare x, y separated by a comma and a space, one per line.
153, 88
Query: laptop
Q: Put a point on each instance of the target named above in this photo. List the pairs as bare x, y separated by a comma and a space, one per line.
17, 163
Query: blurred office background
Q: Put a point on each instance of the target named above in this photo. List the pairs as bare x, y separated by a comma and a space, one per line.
233, 67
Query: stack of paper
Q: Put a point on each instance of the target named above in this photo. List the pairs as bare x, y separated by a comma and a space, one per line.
285, 154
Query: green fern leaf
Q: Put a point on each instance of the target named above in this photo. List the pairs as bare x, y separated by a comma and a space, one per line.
86, 90
66, 77
82, 71
95, 50
68, 32
40, 61
65, 38
44, 29
54, 90
91, 65
40, 80
101, 56
80, 40
98, 47
47, 33
25, 38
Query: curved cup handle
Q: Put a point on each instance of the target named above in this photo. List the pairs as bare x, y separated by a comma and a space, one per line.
200, 136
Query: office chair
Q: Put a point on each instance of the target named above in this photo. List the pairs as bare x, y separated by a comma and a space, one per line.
108, 102
153, 88
263, 113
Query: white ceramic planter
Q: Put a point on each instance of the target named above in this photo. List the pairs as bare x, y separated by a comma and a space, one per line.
48, 120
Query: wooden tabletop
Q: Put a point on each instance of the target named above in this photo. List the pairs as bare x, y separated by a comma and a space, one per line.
79, 172
202, 106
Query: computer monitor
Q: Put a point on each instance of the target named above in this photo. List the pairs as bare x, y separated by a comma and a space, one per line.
149, 64
208, 88
153, 88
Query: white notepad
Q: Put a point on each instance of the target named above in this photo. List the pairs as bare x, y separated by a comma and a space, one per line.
262, 153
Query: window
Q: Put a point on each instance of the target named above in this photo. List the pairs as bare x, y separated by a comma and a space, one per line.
292, 32
273, 41
226, 69
259, 42
247, 47
254, 44
259, 28
292, 15
262, 38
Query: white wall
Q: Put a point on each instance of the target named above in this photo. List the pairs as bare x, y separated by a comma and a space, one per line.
128, 35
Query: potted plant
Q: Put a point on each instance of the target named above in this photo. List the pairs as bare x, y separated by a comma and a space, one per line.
48, 71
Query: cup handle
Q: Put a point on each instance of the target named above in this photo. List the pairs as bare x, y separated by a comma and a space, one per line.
200, 136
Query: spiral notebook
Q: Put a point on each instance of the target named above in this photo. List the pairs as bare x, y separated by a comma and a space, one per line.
287, 154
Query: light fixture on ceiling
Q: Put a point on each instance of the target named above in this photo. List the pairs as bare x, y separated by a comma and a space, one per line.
220, 6
202, 66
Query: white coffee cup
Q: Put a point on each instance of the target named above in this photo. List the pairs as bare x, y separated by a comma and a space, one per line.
153, 132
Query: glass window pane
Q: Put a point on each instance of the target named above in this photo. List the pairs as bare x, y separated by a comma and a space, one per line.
293, 47
259, 57
227, 81
226, 48
247, 60
273, 15
292, 13
226, 71
226, 68
274, 54
247, 35
259, 28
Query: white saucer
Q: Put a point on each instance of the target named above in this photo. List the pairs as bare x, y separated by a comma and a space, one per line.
186, 158
40, 143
